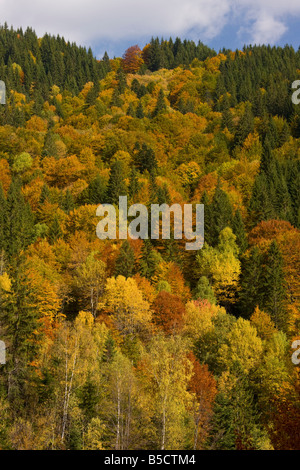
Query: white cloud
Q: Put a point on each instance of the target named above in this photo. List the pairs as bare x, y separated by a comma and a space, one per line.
267, 29
90, 21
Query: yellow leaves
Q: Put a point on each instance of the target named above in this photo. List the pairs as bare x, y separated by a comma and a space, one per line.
123, 299
45, 285
188, 173
94, 435
19, 98
5, 177
221, 265
206, 184
125, 158
198, 318
263, 324
148, 291
87, 87
89, 279
252, 148
5, 282
242, 346
84, 320
83, 219
36, 123
168, 371
63, 171
49, 211
32, 192
170, 272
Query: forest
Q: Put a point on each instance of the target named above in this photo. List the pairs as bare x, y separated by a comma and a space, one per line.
142, 344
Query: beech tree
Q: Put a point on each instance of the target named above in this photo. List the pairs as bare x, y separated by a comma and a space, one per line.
132, 59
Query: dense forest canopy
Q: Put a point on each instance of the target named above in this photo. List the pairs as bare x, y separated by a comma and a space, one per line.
140, 344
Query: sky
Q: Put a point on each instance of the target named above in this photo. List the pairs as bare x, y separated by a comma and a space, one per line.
114, 25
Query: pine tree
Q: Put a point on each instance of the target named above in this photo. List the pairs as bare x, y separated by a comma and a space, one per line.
227, 120
293, 183
207, 219
261, 206
20, 324
130, 110
19, 221
139, 110
95, 192
45, 194
220, 213
134, 185
92, 94
204, 290
89, 399
144, 158
68, 202
122, 82
116, 185
2, 219
245, 126
235, 423
154, 60
55, 231
115, 99
250, 282
272, 289
149, 260
267, 163
160, 106
238, 228
125, 261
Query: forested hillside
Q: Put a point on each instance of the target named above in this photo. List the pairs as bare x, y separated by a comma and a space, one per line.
141, 344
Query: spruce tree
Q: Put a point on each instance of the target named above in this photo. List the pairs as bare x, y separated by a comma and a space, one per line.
160, 106
122, 82
250, 283
144, 158
130, 110
2, 219
68, 202
139, 110
272, 287
220, 213
235, 422
55, 231
207, 219
95, 192
116, 185
204, 291
45, 194
261, 205
125, 261
238, 228
19, 221
149, 260
245, 126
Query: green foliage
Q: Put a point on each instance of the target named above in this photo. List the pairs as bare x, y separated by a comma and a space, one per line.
125, 261
204, 290
143, 344
18, 220
116, 185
